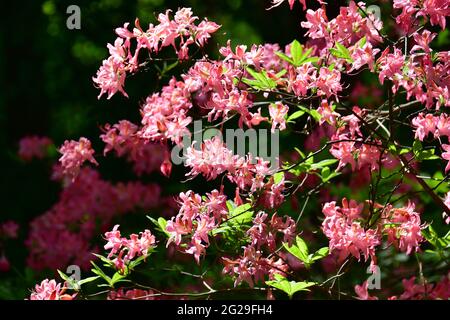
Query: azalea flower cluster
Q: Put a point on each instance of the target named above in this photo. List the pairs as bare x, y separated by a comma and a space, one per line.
63, 234
429, 123
50, 290
348, 143
189, 230
179, 32
403, 227
351, 28
74, 154
254, 265
214, 158
439, 126
435, 11
424, 75
349, 234
124, 250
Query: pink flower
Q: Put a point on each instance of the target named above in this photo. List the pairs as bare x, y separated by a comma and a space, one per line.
272, 196
278, 112
423, 41
328, 82
125, 249
406, 231
110, 78
363, 293
391, 65
34, 147
346, 235
317, 23
328, 115
50, 290
114, 241
344, 151
363, 56
204, 30
74, 154
212, 160
197, 249
424, 125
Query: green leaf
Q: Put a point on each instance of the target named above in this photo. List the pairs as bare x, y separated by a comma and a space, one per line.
107, 261
362, 42
289, 287
261, 80
295, 115
341, 52
160, 224
71, 282
284, 57
296, 52
241, 214
100, 273
323, 163
299, 250
87, 280
319, 254
312, 112
277, 177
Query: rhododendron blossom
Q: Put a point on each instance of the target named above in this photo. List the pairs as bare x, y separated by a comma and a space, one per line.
74, 154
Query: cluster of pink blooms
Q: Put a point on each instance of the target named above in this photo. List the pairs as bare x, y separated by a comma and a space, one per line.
50, 290
343, 226
34, 147
62, 235
424, 75
348, 144
74, 154
437, 125
428, 123
164, 114
253, 265
122, 138
248, 173
189, 229
412, 290
346, 234
347, 29
124, 250
179, 32
435, 11
403, 228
